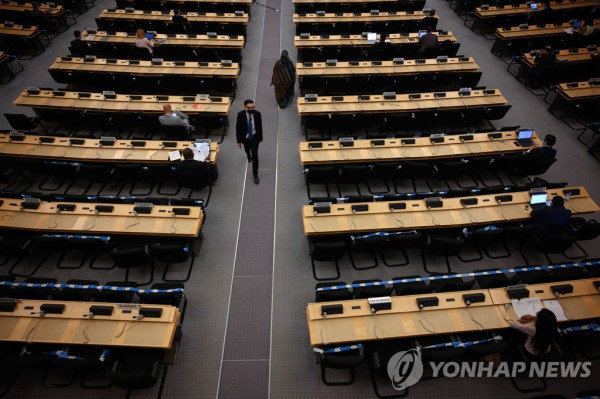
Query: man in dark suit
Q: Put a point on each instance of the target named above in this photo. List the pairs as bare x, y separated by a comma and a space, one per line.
249, 132
189, 166
178, 18
543, 153
429, 20
79, 47
428, 40
551, 219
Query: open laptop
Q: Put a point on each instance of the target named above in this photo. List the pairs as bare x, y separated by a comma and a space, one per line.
150, 36
422, 32
538, 200
577, 24
524, 138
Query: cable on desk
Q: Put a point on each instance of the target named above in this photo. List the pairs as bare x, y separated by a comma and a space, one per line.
30, 150
173, 229
131, 325
6, 217
479, 325
324, 328
471, 217
424, 326
433, 220
55, 221
506, 306
34, 328
376, 326
398, 221
136, 221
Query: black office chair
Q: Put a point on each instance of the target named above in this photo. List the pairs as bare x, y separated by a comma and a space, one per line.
583, 230
166, 298
169, 253
134, 369
116, 296
496, 280
446, 246
133, 256
371, 291
451, 284
319, 175
402, 242
480, 240
36, 293
24, 123
342, 294
384, 171
75, 294
378, 355
366, 244
413, 287
552, 244
326, 250
134, 174
352, 174
345, 360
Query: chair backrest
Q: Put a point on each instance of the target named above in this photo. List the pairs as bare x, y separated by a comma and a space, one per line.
130, 257
445, 246
342, 294
116, 296
19, 121
169, 253
167, 298
327, 250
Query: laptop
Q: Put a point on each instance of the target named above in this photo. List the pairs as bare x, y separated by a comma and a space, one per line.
577, 24
422, 32
150, 36
534, 6
524, 138
538, 200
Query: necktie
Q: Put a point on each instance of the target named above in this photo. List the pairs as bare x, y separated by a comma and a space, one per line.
250, 127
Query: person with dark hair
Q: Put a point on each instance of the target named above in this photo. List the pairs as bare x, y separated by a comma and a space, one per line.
178, 18
430, 20
428, 40
79, 47
249, 133
189, 166
551, 219
541, 335
545, 152
41, 20
284, 79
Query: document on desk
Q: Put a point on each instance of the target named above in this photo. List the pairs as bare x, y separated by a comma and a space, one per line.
526, 306
569, 31
174, 155
556, 308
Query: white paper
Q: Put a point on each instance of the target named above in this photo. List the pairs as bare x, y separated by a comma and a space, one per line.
90, 37
174, 155
372, 38
201, 151
569, 31
555, 307
526, 306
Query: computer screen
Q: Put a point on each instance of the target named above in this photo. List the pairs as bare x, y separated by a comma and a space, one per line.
150, 36
534, 6
538, 198
577, 24
422, 32
525, 134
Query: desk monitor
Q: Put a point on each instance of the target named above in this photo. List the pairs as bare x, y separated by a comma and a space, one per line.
539, 198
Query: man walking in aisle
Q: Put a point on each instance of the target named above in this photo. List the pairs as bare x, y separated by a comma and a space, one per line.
249, 132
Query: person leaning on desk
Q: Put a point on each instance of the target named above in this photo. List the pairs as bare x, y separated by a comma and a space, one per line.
175, 118
545, 152
427, 40
142, 41
541, 334
551, 219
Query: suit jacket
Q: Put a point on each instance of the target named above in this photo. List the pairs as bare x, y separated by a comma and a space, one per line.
550, 219
81, 47
193, 167
180, 119
541, 154
241, 126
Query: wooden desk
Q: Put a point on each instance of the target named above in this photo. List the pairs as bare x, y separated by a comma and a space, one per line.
341, 220
72, 326
141, 15
583, 91
404, 320
160, 222
244, 2
180, 39
533, 31
423, 149
359, 41
365, 17
295, 2
51, 12
402, 103
90, 151
409, 67
19, 31
357, 324
122, 103
189, 69
524, 9
582, 55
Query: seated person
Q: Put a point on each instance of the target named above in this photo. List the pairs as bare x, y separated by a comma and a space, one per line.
177, 18
545, 57
541, 331
188, 166
430, 20
544, 61
174, 118
41, 20
79, 47
551, 219
428, 40
587, 28
142, 41
543, 153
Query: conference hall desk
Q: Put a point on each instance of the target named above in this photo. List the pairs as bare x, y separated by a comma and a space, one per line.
317, 41
381, 150
84, 219
379, 217
532, 32
386, 68
22, 9
73, 326
574, 56
123, 103
89, 150
22, 33
157, 4
348, 22
186, 69
573, 94
352, 5
405, 319
107, 16
401, 104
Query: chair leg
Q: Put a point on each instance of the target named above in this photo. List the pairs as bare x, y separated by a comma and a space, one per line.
187, 277
324, 377
379, 192
476, 259
507, 251
583, 251
375, 387
151, 274
404, 254
63, 256
314, 269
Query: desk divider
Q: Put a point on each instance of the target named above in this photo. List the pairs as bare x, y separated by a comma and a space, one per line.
91, 287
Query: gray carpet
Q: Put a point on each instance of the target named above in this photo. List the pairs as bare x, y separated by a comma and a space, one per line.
245, 333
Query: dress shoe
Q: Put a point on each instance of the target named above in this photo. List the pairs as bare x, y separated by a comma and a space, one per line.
256, 180
249, 160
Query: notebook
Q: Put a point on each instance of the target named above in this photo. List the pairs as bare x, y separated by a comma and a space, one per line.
538, 200
524, 138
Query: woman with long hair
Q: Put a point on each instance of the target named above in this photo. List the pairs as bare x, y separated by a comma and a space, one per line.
284, 78
541, 334
142, 41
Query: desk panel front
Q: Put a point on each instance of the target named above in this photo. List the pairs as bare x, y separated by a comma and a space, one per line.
359, 41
